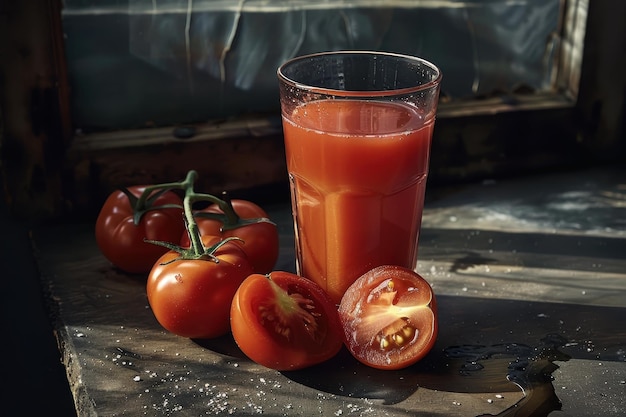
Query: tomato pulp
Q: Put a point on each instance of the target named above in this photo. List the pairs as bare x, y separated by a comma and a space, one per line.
284, 321
358, 175
389, 317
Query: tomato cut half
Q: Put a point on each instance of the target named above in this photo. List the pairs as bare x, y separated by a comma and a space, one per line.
285, 322
389, 317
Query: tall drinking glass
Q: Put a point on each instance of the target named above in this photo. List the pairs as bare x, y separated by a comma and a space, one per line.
357, 128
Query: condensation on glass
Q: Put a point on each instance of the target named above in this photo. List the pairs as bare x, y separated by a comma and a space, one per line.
141, 63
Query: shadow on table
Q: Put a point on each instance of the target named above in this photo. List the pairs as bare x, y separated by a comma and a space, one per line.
484, 346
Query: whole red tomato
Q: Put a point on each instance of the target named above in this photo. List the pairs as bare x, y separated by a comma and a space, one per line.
389, 317
250, 223
192, 297
121, 239
285, 322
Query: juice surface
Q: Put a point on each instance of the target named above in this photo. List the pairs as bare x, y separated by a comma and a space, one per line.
358, 174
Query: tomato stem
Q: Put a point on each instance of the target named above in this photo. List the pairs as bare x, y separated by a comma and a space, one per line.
207, 254
227, 207
229, 218
233, 221
197, 247
151, 193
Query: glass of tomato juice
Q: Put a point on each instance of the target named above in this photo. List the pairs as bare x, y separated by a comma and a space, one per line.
357, 129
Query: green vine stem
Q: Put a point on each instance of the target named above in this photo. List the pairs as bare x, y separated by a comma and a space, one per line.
145, 202
192, 227
229, 218
207, 254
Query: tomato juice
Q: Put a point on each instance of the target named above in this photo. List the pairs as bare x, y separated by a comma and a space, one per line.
358, 172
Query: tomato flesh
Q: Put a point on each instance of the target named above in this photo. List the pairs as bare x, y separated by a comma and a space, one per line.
285, 322
389, 317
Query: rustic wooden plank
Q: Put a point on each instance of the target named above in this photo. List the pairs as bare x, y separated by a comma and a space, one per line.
527, 274
233, 164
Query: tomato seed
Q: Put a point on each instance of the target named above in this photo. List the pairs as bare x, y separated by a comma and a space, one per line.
270, 320
398, 339
384, 343
408, 332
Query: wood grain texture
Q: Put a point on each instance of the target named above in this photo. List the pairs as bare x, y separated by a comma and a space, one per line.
528, 273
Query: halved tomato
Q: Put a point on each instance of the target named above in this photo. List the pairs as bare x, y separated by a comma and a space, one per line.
389, 317
285, 322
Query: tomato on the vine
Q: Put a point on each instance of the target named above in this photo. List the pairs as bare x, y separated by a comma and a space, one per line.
285, 322
123, 224
250, 223
389, 317
192, 297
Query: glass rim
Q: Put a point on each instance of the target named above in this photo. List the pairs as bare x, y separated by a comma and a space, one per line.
360, 93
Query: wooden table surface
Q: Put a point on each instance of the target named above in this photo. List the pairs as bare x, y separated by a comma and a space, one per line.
530, 276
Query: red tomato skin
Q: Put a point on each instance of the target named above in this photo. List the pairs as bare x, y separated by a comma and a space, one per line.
261, 241
356, 307
192, 298
122, 243
263, 345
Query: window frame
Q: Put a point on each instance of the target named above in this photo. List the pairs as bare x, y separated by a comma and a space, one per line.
50, 170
